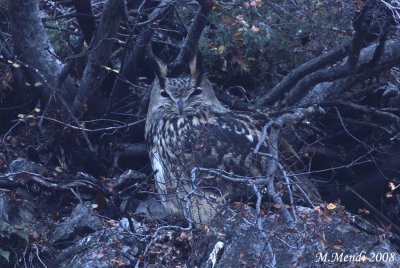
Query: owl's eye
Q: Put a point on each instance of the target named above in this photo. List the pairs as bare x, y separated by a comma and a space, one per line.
164, 94
196, 92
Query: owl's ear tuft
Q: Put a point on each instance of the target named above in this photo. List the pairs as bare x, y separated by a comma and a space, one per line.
196, 68
159, 68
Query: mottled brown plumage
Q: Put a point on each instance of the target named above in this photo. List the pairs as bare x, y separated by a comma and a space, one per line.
188, 127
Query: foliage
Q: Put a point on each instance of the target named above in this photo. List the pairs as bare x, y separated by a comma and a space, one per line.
59, 39
268, 38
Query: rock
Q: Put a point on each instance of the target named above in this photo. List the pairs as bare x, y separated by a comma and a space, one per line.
152, 210
4, 207
129, 178
84, 193
21, 165
25, 209
81, 222
322, 238
3, 162
111, 247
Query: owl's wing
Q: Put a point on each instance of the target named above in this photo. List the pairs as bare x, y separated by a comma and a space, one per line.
226, 142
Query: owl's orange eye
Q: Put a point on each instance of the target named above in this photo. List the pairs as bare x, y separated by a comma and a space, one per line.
196, 92
164, 94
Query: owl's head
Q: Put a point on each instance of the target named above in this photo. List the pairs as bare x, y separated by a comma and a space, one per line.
185, 95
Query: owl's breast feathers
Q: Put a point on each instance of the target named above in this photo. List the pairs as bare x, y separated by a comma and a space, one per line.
224, 141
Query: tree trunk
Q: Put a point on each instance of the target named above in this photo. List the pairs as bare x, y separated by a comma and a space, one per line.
33, 48
101, 47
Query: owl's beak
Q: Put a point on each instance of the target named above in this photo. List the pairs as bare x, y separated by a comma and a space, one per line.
180, 106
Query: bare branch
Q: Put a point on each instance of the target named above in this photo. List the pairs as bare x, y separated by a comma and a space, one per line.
331, 90
189, 48
11, 180
390, 58
93, 130
365, 109
305, 76
361, 25
374, 210
303, 70
271, 172
382, 40
394, 8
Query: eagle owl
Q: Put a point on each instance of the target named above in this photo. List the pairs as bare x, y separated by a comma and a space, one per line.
187, 127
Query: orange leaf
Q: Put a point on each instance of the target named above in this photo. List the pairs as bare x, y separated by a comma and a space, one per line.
111, 223
277, 206
118, 262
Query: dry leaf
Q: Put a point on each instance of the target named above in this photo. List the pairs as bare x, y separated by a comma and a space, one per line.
110, 69
331, 206
239, 31
338, 247
363, 211
338, 244
255, 29
118, 262
277, 206
98, 256
392, 186
58, 169
111, 223
278, 186
14, 142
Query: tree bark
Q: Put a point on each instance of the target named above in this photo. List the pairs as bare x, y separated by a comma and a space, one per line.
189, 48
32, 45
331, 89
101, 47
299, 73
86, 23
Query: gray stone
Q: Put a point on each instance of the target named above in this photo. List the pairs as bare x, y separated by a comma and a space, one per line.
81, 222
21, 165
110, 247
